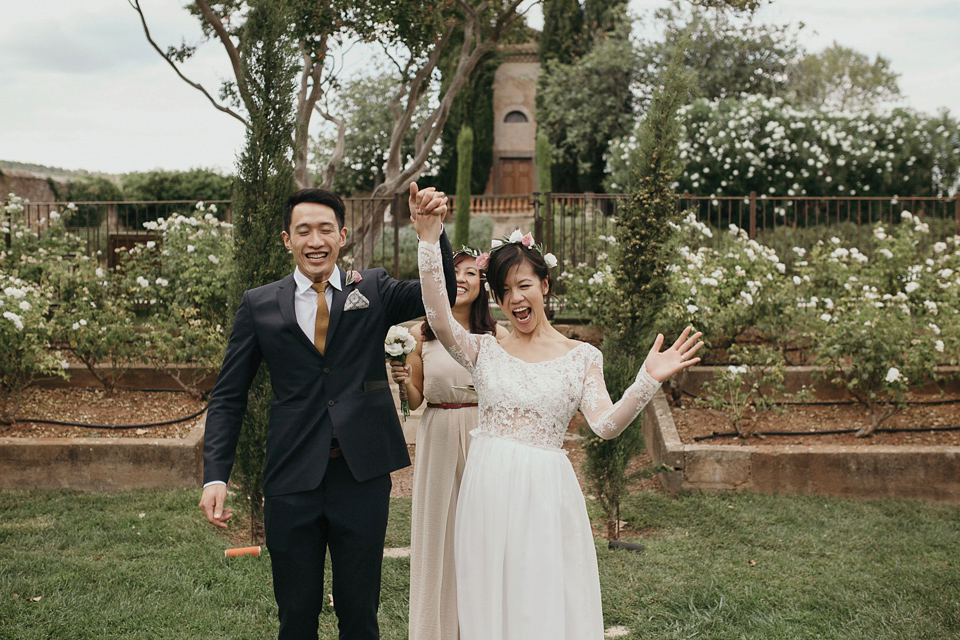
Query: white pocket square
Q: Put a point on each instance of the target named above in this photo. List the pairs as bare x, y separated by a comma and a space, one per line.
355, 300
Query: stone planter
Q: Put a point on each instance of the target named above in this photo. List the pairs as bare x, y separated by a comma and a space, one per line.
101, 464
867, 471
104, 464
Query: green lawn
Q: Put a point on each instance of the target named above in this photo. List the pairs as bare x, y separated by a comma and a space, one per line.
715, 567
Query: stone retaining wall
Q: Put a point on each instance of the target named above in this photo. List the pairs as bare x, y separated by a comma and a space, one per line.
868, 471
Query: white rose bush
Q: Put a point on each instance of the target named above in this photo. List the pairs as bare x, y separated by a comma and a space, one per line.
24, 356
180, 288
876, 319
732, 146
166, 305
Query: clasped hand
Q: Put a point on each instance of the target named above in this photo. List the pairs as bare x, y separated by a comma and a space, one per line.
680, 355
427, 210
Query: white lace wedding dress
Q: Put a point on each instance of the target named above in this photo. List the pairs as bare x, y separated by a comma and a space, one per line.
525, 558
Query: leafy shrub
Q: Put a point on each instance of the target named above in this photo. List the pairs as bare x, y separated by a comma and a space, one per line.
24, 356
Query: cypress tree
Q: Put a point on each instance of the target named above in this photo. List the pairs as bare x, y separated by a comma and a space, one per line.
464, 168
562, 35
265, 179
643, 232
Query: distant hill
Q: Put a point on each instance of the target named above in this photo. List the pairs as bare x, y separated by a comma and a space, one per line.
56, 172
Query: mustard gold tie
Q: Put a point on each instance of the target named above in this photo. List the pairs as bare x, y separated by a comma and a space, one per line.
323, 316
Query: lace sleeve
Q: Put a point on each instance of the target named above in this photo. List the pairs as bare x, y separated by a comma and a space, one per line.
606, 418
460, 343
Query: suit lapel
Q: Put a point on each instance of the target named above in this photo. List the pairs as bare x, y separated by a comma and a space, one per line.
336, 310
285, 296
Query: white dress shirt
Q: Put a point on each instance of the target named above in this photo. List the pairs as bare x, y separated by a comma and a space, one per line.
305, 299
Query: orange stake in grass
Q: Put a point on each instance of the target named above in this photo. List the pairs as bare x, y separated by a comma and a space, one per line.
242, 551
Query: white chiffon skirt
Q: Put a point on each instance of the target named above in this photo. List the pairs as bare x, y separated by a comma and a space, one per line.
526, 563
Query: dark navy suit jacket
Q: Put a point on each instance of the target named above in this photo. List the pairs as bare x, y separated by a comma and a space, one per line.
345, 390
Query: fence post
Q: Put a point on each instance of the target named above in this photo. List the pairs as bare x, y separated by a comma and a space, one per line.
395, 210
753, 215
956, 210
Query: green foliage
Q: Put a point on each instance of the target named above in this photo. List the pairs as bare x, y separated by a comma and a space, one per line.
845, 79
473, 106
24, 356
464, 168
562, 37
726, 52
369, 122
196, 184
882, 335
584, 103
544, 163
182, 288
644, 230
642, 234
264, 182
750, 390
90, 189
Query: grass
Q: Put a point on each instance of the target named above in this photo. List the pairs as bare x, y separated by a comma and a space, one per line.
731, 566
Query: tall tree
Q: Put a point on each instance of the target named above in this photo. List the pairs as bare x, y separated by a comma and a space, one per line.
643, 234
265, 179
464, 174
582, 105
842, 78
728, 52
562, 37
412, 33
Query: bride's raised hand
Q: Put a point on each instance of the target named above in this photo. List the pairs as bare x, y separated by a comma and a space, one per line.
427, 210
663, 364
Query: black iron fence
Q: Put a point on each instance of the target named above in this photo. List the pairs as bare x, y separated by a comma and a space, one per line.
577, 228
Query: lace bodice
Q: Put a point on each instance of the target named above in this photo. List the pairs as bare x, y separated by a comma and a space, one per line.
531, 402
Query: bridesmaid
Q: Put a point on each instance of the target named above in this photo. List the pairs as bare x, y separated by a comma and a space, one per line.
442, 441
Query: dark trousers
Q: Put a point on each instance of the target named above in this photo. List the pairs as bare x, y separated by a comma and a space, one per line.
350, 518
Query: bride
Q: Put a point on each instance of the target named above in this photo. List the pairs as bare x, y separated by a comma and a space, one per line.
526, 563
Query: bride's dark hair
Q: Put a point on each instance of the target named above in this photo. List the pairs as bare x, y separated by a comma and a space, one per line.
481, 321
503, 258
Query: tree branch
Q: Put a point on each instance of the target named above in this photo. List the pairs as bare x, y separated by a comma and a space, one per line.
136, 7
330, 171
214, 20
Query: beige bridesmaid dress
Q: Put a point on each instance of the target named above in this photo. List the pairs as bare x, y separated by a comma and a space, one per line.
442, 441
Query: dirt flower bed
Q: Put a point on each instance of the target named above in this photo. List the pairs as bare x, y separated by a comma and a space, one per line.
93, 406
692, 421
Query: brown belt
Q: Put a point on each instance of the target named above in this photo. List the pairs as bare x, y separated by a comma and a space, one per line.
335, 452
450, 405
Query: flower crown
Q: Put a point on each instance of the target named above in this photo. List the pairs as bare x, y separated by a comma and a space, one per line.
524, 239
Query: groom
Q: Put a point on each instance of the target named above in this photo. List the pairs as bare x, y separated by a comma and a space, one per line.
334, 436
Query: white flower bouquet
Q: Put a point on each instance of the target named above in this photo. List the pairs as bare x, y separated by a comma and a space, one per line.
398, 344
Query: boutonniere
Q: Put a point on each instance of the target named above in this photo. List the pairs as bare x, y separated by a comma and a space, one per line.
353, 277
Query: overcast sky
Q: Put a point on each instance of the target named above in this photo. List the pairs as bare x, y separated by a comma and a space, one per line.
80, 87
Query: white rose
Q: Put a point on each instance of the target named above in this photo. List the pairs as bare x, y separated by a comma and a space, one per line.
551, 260
893, 374
938, 346
214, 259
516, 236
15, 319
24, 305
395, 349
912, 286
